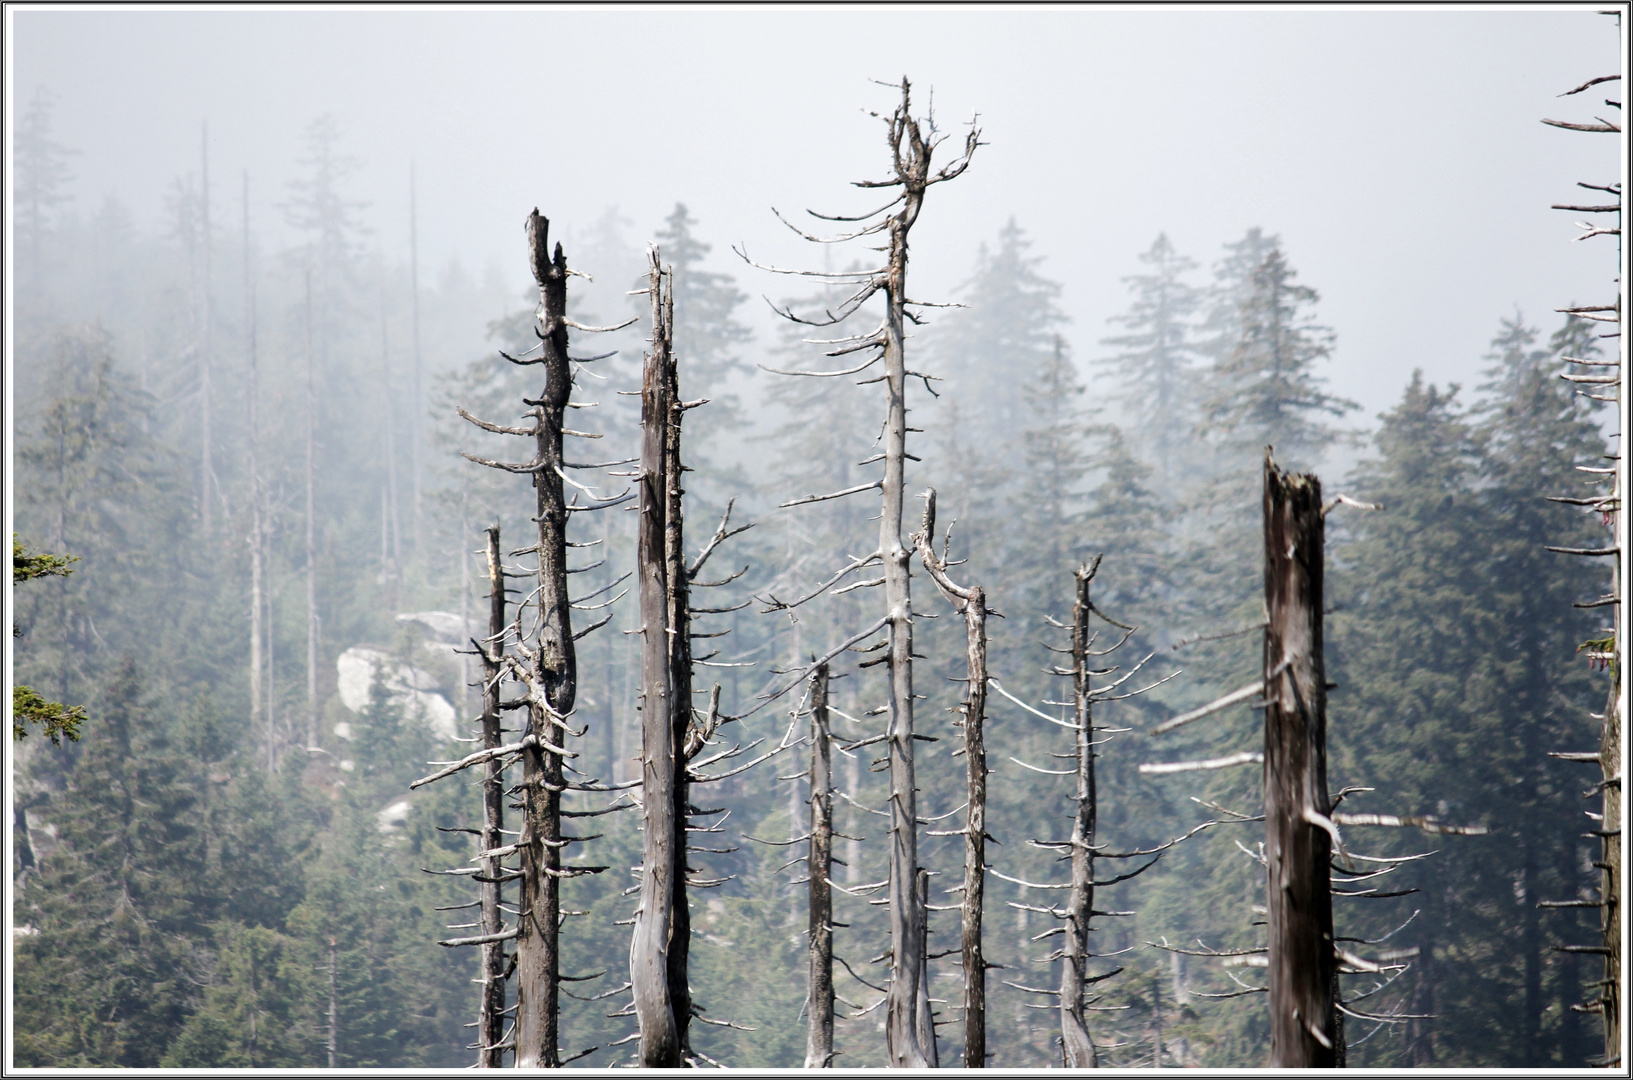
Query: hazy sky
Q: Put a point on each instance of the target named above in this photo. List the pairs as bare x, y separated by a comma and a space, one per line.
1398, 153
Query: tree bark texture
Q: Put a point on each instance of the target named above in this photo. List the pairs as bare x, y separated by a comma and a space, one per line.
1303, 1023
1076, 1044
554, 672
678, 633
819, 1037
490, 1027
662, 807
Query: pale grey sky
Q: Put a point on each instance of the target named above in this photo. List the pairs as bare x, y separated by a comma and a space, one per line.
1396, 151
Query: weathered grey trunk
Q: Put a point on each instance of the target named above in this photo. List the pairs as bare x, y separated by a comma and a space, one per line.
417, 412
257, 530
657, 928
975, 833
490, 1021
538, 968
1077, 1046
909, 1033
1304, 1031
819, 1032
971, 602
206, 313
334, 1006
314, 734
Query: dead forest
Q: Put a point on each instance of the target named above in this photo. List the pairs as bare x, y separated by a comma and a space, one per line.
455, 677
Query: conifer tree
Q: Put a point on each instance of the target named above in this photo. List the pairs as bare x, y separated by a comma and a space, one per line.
1155, 364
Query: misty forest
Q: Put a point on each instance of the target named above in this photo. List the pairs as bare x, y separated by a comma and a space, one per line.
573, 666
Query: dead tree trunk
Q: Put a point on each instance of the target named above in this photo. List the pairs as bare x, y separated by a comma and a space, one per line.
1076, 1044
1601, 380
490, 1026
206, 312
971, 602
662, 809
678, 634
909, 1026
554, 681
257, 529
314, 735
1304, 1031
819, 1038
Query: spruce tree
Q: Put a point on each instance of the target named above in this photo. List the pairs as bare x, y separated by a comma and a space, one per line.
1154, 367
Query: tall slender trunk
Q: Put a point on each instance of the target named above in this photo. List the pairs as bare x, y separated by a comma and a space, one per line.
1077, 1045
555, 672
819, 1037
257, 531
1304, 1031
909, 1032
415, 434
971, 602
663, 866
490, 1025
205, 423
314, 735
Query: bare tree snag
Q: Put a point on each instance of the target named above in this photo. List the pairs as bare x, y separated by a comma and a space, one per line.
909, 1026
678, 634
662, 811
1601, 380
1076, 1045
490, 1027
1304, 1031
554, 681
257, 530
971, 602
313, 735
819, 1038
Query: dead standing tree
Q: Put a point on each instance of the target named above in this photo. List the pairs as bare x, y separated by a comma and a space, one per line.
1601, 380
542, 659
673, 731
819, 1039
1303, 955
909, 1028
970, 602
1082, 848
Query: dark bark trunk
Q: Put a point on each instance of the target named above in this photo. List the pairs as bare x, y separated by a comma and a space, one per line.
662, 813
819, 1038
490, 1027
1078, 1047
1610, 892
1304, 1032
538, 968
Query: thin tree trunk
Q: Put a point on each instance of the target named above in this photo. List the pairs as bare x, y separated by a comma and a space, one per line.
819, 1037
257, 534
206, 468
660, 1043
1298, 849
1077, 1046
389, 407
555, 672
490, 1025
909, 1033
1610, 894
414, 430
314, 735
971, 602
